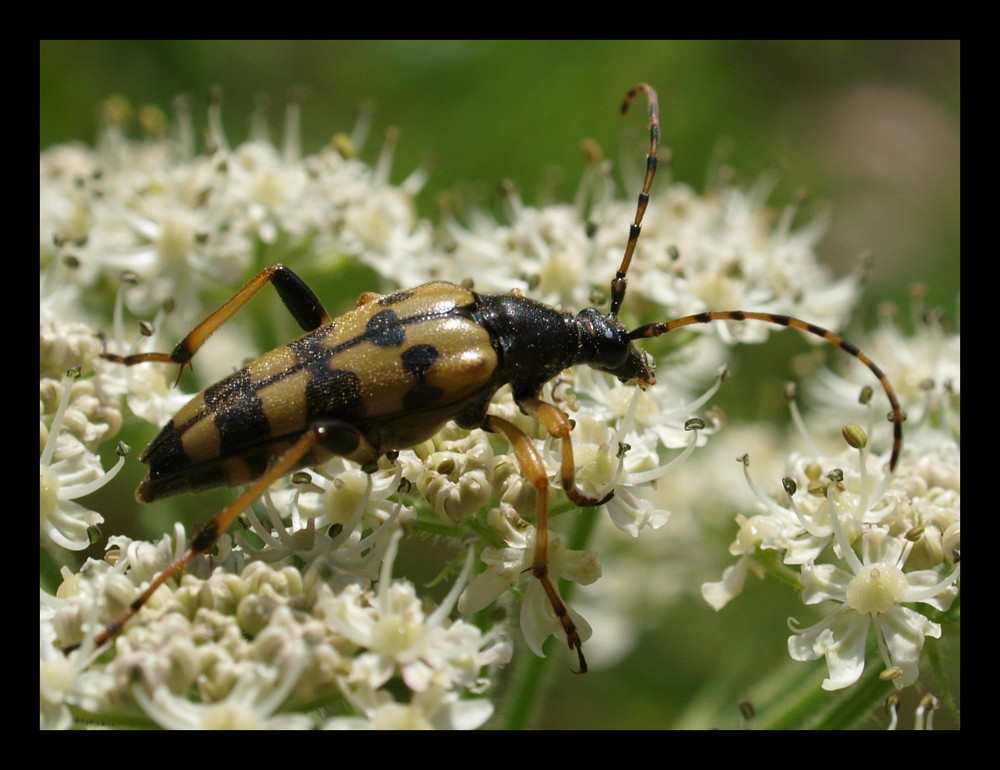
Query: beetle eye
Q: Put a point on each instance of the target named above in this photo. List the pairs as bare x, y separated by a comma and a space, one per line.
606, 346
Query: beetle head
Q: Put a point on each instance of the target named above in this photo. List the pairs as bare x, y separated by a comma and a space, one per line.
605, 345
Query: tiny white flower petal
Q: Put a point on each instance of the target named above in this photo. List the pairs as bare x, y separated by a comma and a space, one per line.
734, 577
904, 630
823, 582
485, 588
841, 639
468, 714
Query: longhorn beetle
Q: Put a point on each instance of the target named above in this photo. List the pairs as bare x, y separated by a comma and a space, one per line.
391, 373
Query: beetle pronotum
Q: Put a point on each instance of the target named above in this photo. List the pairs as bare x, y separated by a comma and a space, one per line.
390, 373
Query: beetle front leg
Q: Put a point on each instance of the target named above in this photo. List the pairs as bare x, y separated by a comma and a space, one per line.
557, 423
533, 469
301, 301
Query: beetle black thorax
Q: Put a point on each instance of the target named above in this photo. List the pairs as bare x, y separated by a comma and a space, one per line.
535, 342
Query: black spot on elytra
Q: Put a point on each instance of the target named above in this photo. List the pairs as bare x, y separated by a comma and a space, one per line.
311, 348
225, 391
395, 298
418, 359
385, 330
165, 454
237, 412
334, 395
421, 395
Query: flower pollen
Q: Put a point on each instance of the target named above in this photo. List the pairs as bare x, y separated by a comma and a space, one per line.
876, 588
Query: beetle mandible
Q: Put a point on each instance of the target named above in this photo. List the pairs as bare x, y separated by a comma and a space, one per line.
392, 372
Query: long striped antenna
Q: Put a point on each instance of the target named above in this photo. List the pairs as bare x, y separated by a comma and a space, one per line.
619, 282
897, 415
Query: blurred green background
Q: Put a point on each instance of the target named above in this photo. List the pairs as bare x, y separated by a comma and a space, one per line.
870, 127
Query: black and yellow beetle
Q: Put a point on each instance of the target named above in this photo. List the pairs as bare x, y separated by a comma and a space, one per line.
390, 373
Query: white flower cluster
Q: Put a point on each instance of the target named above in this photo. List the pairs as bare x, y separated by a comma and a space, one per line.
252, 633
74, 421
866, 542
303, 613
301, 622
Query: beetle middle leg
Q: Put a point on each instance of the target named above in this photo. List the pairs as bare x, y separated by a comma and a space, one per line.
533, 469
301, 301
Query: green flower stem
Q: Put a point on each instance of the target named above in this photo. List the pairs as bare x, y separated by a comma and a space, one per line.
792, 698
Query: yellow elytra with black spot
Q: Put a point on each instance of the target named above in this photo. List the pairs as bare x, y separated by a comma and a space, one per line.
390, 373
396, 369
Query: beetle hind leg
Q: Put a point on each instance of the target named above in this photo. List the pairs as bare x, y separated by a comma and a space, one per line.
333, 436
301, 301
